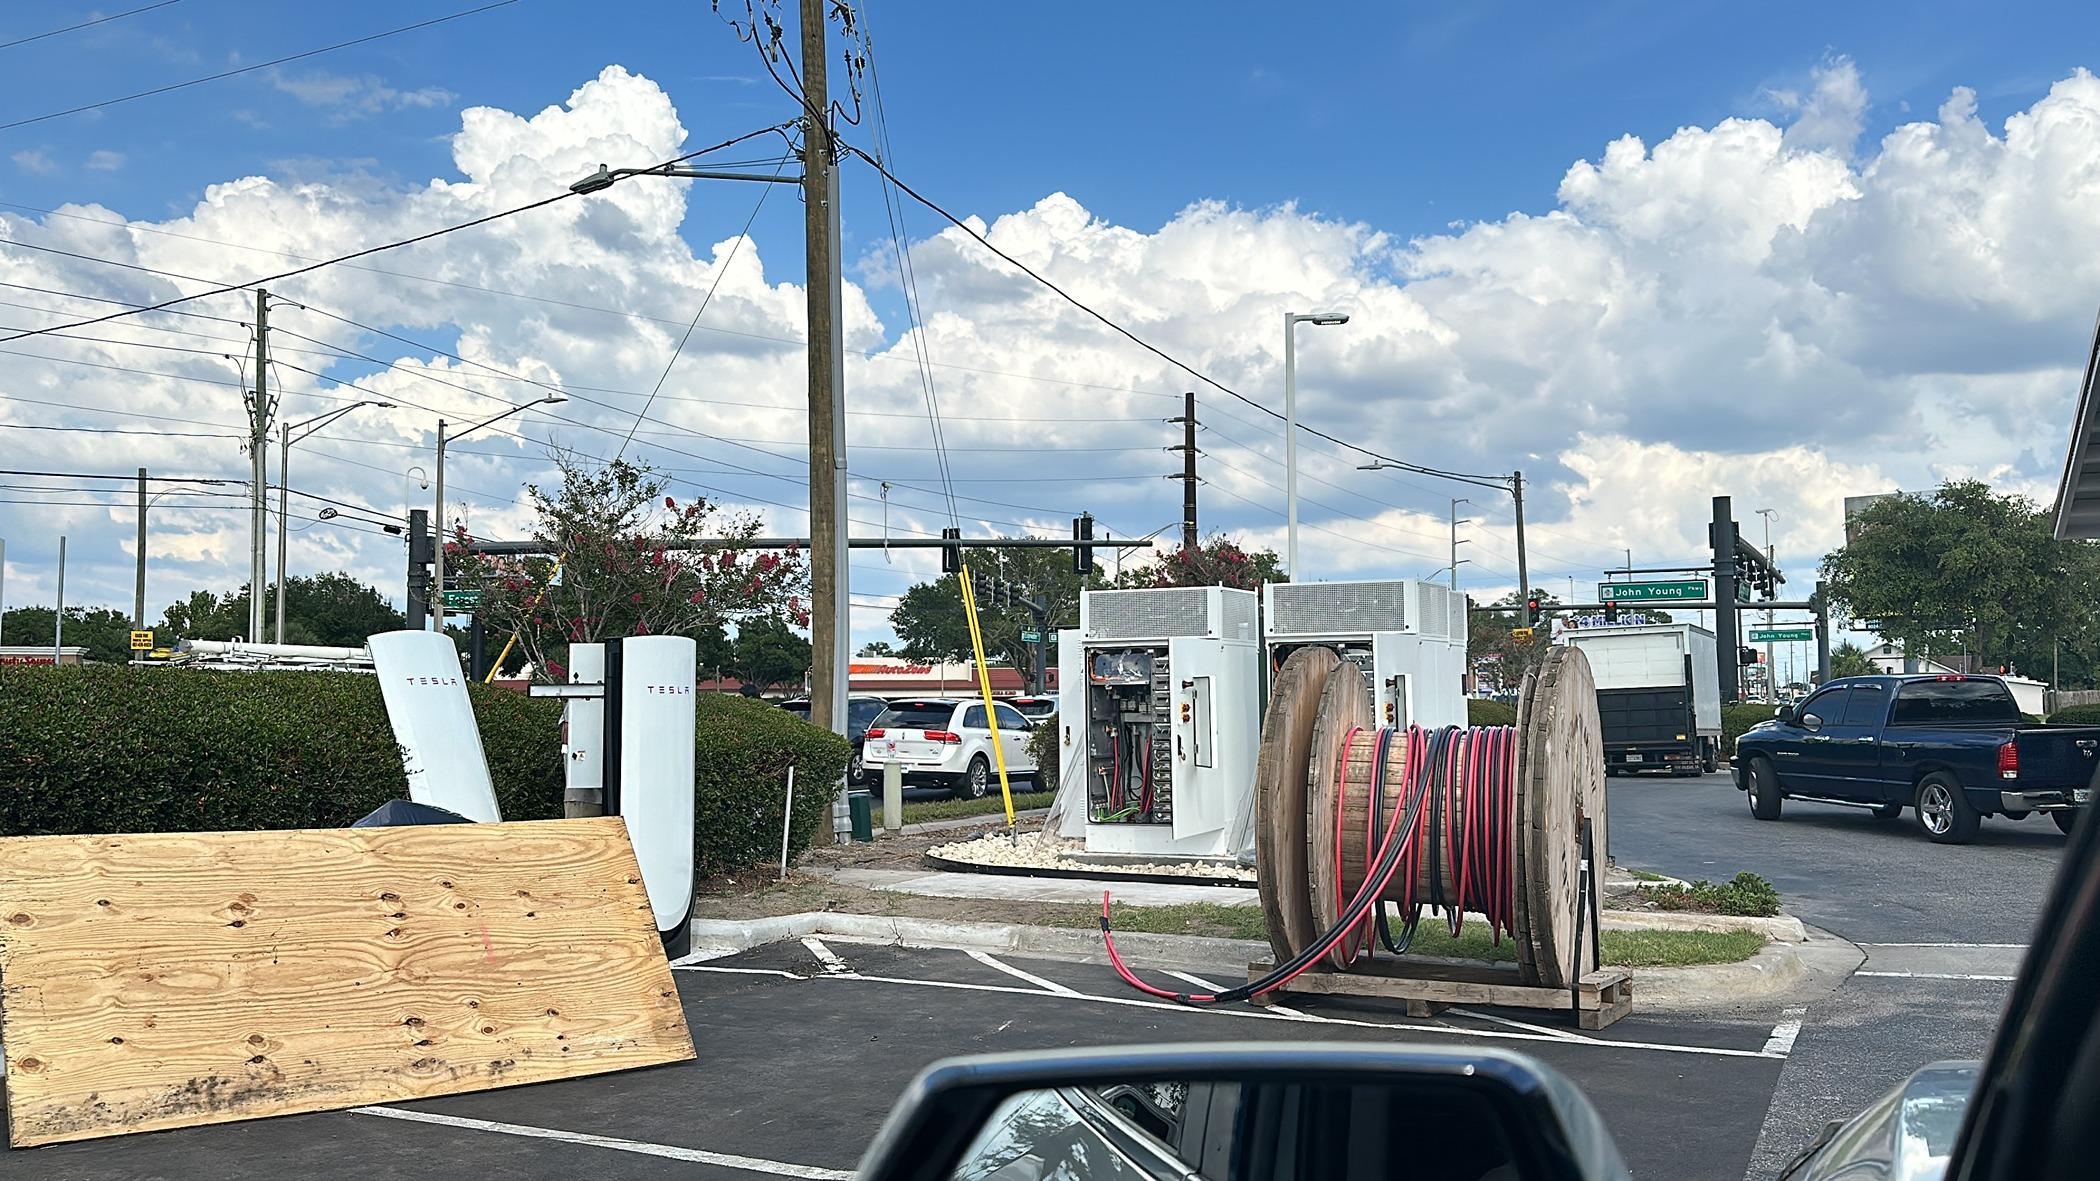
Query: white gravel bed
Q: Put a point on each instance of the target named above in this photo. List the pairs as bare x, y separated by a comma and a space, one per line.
1034, 851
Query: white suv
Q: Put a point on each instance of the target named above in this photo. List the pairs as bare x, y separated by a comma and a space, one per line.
947, 743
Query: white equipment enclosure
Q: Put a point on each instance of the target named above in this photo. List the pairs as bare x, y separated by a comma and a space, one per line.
628, 718
1159, 715
426, 700
1408, 636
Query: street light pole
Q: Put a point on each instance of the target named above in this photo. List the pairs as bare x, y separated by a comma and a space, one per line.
437, 594
1291, 320
284, 494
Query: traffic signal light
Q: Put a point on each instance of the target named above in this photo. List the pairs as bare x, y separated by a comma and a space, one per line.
1082, 555
1747, 655
1611, 613
1532, 605
951, 555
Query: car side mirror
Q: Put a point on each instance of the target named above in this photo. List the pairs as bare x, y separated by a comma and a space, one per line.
1329, 1110
1811, 722
1785, 714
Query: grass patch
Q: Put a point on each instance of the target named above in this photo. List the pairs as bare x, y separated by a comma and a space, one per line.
925, 810
1642, 875
1744, 894
1678, 949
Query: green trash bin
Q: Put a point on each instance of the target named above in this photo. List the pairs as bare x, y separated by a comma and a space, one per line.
863, 808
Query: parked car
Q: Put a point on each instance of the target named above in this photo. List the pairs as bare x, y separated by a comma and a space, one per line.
861, 713
1952, 747
946, 743
1034, 707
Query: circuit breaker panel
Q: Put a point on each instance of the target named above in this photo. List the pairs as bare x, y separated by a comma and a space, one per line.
1160, 699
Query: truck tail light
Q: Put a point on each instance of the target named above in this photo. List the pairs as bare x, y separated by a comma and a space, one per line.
873, 732
946, 736
2008, 761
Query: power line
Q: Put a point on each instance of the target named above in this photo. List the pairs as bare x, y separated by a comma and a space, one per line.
110, 102
224, 289
100, 20
1485, 481
714, 284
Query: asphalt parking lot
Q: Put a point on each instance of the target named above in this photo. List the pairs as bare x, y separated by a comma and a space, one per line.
1943, 928
804, 1048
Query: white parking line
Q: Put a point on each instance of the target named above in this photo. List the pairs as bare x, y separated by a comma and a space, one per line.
1556, 1034
1270, 1015
1938, 975
678, 967
1200, 982
748, 1164
991, 961
825, 956
1783, 1034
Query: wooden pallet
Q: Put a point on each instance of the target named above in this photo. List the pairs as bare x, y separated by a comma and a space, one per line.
1598, 998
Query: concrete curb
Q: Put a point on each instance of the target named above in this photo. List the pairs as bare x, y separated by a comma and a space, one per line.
1776, 969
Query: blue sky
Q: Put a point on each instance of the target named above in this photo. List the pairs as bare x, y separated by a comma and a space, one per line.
1775, 293
1405, 116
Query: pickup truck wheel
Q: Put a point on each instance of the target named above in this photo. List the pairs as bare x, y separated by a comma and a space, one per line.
1888, 811
976, 782
2064, 820
1944, 812
1764, 791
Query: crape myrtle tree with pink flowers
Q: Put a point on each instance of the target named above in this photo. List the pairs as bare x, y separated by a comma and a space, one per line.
1219, 561
635, 560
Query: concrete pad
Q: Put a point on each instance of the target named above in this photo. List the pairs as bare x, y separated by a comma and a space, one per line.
1785, 927
1943, 961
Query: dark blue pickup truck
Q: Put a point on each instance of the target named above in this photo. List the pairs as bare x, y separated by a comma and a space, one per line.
1951, 747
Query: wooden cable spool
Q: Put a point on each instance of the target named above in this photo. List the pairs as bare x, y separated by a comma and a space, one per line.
1310, 768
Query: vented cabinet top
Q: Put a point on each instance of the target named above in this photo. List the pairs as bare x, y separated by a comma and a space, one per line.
1168, 612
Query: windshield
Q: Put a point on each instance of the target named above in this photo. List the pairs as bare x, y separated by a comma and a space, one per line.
915, 715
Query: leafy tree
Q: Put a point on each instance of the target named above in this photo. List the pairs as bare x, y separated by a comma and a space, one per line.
1965, 568
333, 609
1219, 561
1490, 638
716, 655
930, 623
1850, 660
104, 631
768, 652
875, 648
634, 561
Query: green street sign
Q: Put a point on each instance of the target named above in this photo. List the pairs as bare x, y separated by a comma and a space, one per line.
462, 599
1685, 590
1031, 637
1759, 635
1742, 590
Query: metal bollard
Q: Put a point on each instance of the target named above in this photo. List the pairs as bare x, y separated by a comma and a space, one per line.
892, 797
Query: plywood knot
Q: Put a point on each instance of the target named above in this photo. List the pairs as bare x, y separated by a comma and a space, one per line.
20, 920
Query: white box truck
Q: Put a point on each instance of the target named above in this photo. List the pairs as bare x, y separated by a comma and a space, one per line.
1658, 695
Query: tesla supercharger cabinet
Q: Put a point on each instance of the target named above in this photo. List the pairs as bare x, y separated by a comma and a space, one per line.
627, 722
1159, 718
1408, 636
426, 700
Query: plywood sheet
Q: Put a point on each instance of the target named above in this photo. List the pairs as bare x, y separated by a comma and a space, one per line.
166, 980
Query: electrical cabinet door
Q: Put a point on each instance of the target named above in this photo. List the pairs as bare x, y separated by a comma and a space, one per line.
1216, 723
1071, 725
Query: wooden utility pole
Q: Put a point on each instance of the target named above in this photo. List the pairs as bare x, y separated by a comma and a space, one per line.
1516, 492
258, 465
1188, 471
831, 616
138, 588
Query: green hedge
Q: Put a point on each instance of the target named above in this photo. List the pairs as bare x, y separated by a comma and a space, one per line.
1482, 712
2076, 715
740, 767
103, 749
1735, 719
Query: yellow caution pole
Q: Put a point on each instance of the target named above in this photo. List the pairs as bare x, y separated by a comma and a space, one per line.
984, 686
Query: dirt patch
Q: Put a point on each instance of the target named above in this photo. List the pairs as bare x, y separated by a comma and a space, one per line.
904, 851
723, 898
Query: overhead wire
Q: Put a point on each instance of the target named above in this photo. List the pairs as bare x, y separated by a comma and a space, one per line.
249, 69
87, 24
